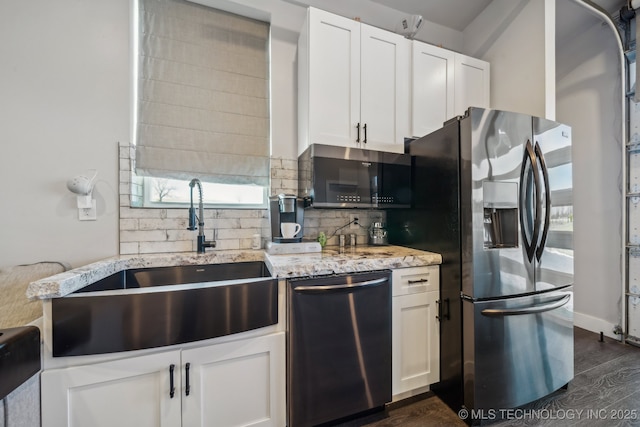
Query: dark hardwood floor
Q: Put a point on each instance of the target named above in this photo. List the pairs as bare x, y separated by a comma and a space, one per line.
605, 392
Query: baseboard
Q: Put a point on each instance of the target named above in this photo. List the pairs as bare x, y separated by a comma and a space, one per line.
594, 324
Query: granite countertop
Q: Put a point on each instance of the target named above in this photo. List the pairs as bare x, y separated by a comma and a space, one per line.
330, 260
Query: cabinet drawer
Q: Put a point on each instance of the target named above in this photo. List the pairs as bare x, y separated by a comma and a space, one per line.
415, 279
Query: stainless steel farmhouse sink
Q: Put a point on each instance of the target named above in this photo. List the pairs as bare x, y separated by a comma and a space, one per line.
153, 307
19, 357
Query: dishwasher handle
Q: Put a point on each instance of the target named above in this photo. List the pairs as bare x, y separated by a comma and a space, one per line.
346, 286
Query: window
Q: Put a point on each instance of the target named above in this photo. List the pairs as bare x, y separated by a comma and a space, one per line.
202, 104
163, 192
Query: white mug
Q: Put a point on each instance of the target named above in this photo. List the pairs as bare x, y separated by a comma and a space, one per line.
290, 229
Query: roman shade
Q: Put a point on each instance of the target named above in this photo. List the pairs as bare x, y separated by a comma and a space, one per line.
203, 94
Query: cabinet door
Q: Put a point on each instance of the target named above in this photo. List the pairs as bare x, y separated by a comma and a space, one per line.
471, 83
133, 392
334, 79
239, 383
416, 342
384, 89
432, 88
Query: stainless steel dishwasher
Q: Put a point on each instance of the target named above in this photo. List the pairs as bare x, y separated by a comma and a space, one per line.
339, 346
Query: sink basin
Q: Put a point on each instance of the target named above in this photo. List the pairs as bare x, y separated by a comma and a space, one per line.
19, 357
179, 275
153, 307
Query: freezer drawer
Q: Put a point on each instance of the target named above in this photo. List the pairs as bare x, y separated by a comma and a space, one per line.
517, 350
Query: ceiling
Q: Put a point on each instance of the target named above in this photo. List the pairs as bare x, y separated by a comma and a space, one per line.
456, 14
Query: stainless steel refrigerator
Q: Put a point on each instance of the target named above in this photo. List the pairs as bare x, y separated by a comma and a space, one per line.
492, 192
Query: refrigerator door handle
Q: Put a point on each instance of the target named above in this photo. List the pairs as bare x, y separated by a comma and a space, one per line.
557, 303
547, 203
529, 158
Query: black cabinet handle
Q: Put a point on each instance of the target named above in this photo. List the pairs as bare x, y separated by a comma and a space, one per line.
440, 316
365, 133
172, 389
358, 137
187, 388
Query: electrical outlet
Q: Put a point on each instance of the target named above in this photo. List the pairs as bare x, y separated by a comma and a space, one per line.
353, 218
88, 214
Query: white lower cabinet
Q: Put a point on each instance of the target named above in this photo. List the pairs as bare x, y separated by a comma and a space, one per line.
415, 330
237, 383
127, 392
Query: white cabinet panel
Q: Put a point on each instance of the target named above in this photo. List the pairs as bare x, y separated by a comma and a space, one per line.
133, 392
444, 85
333, 76
415, 279
359, 83
432, 88
236, 383
416, 348
471, 84
415, 330
353, 84
384, 89
239, 383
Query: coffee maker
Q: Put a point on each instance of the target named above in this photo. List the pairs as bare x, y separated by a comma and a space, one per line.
286, 208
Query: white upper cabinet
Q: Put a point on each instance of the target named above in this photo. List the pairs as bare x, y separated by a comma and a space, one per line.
328, 80
432, 77
363, 87
353, 84
443, 85
471, 84
384, 89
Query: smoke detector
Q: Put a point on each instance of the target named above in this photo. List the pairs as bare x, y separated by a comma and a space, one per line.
409, 26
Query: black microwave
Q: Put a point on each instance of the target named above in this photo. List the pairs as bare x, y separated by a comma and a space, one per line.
338, 177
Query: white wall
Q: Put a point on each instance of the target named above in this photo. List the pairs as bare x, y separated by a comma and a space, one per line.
287, 18
588, 99
510, 35
64, 105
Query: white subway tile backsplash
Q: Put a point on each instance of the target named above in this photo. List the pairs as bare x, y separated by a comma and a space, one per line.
184, 234
129, 248
228, 244
251, 223
152, 230
235, 233
143, 236
163, 223
128, 224
178, 246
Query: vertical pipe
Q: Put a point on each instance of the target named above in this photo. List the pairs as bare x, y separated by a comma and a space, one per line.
601, 13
